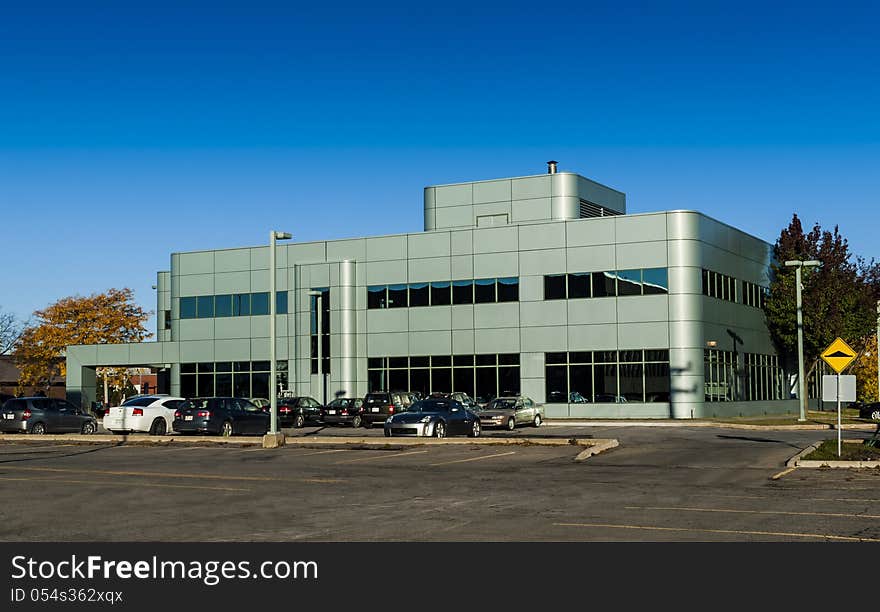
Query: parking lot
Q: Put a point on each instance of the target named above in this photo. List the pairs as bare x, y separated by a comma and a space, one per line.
660, 484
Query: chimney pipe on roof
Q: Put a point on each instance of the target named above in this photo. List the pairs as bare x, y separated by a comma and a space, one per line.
551, 167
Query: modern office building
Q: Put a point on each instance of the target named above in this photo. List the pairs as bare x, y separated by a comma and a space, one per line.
540, 285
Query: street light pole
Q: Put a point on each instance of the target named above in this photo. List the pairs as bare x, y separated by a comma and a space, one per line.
798, 264
273, 307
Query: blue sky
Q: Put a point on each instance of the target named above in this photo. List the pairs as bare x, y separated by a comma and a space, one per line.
128, 132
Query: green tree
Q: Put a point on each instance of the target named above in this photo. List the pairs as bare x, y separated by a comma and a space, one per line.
839, 297
105, 318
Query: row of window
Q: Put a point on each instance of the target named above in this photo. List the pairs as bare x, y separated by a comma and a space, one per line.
483, 376
724, 287
444, 293
230, 378
580, 377
757, 378
231, 305
647, 281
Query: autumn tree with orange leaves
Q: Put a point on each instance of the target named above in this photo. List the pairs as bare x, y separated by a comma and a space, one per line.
105, 318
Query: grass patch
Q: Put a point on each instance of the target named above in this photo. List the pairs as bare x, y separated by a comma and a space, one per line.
827, 451
848, 416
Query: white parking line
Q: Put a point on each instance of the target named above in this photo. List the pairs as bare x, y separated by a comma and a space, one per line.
383, 456
474, 458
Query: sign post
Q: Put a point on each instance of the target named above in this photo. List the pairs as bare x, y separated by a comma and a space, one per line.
839, 355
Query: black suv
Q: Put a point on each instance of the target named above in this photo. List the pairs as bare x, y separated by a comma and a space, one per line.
297, 411
380, 405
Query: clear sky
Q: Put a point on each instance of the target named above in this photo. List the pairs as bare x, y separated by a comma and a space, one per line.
129, 131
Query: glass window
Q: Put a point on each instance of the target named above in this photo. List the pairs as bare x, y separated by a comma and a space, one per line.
376, 296
603, 284
554, 287
631, 385
280, 306
605, 382
657, 382
508, 359
224, 383
205, 306
397, 362
556, 357
487, 385
463, 360
397, 296
487, 360
463, 292
206, 384
440, 294
580, 384
508, 289
260, 385
260, 303
441, 360
167, 317
260, 366
629, 282
580, 357
656, 280
187, 308
241, 384
420, 380
441, 380
557, 384
223, 305
508, 380
463, 380
188, 385
376, 379
241, 366
206, 367
418, 294
376, 362
484, 291
241, 304
419, 362
187, 368
634, 356
223, 366
706, 285
579, 285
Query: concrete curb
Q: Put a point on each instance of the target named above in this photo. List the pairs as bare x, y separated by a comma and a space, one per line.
812, 427
796, 461
602, 446
596, 445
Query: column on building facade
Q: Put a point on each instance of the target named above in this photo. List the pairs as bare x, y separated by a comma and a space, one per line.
346, 378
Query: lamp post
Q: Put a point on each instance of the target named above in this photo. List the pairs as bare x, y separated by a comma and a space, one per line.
319, 308
798, 264
273, 307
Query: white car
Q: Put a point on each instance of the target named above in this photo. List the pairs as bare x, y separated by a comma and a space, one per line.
153, 414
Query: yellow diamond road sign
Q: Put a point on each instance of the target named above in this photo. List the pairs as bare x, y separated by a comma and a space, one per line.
838, 355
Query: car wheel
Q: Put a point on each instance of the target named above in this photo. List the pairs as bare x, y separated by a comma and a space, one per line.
537, 421
475, 430
356, 421
226, 429
299, 421
158, 428
876, 415
38, 429
511, 424
88, 428
440, 430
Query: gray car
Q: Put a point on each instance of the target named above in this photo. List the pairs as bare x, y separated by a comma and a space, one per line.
40, 415
510, 411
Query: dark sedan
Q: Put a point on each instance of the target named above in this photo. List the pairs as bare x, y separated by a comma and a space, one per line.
297, 411
40, 415
436, 418
226, 416
343, 410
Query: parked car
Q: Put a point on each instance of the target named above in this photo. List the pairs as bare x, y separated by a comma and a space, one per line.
436, 418
511, 411
610, 398
226, 416
40, 415
379, 405
870, 411
150, 413
297, 411
460, 396
343, 410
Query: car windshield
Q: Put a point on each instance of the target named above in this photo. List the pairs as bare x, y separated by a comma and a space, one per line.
431, 405
501, 404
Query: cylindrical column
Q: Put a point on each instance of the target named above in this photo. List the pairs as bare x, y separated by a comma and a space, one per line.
347, 327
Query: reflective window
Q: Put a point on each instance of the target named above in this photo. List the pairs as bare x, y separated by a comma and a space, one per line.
463, 292
377, 296
397, 296
484, 291
187, 308
419, 294
260, 303
441, 294
629, 282
280, 303
223, 306
205, 306
655, 280
508, 289
241, 304
579, 285
554, 287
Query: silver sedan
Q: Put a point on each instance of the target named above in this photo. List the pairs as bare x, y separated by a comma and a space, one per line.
511, 411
